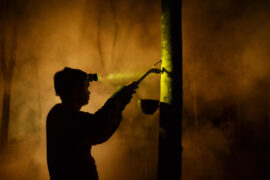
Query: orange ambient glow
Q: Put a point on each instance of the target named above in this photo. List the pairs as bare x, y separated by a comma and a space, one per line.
225, 63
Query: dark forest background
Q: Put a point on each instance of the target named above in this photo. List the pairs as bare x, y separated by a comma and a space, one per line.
226, 83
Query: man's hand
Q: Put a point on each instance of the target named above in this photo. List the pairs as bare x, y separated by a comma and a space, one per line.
123, 96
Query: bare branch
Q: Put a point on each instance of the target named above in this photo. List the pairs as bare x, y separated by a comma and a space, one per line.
12, 61
3, 58
115, 36
99, 34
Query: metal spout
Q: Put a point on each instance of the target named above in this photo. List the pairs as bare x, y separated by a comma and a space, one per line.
153, 70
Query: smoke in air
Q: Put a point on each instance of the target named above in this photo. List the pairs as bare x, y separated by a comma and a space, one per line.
225, 62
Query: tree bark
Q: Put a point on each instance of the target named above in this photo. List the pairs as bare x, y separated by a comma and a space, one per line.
170, 135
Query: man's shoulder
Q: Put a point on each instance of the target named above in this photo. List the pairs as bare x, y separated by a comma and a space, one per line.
84, 115
61, 111
56, 109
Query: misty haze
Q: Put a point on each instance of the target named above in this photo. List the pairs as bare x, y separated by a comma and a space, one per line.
226, 76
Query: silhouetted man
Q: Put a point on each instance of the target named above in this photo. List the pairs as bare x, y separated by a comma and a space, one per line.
71, 132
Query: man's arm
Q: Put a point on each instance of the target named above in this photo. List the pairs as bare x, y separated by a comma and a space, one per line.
107, 119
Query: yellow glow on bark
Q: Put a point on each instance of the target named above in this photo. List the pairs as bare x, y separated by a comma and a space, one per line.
165, 80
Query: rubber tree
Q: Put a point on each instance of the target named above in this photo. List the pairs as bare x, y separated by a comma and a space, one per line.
170, 135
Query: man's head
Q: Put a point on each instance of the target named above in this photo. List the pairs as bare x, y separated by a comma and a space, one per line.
72, 86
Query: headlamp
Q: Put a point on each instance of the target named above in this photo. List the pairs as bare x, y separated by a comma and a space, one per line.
93, 77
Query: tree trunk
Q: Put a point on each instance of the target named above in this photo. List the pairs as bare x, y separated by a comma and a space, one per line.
170, 135
5, 114
7, 72
7, 68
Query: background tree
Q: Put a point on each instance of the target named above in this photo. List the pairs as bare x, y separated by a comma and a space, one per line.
10, 20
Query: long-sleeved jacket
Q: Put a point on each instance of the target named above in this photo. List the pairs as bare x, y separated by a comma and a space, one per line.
70, 136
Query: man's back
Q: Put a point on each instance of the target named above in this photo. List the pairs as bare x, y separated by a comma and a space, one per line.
68, 147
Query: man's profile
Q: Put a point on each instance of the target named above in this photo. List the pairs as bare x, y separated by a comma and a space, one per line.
71, 132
